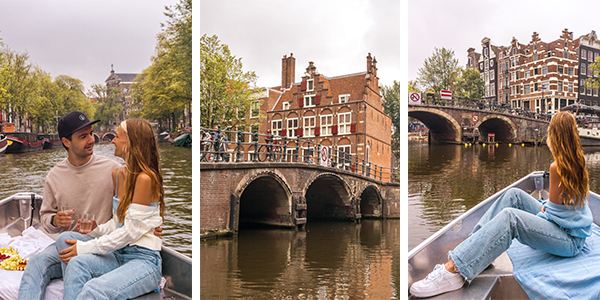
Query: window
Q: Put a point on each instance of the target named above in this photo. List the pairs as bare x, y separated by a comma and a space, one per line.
571, 71
500, 69
590, 55
309, 126
583, 54
492, 76
255, 109
526, 74
240, 114
344, 98
535, 56
545, 86
276, 127
595, 92
487, 65
590, 71
544, 70
286, 105
310, 85
309, 101
535, 87
565, 54
560, 69
582, 89
492, 89
560, 86
583, 69
254, 128
344, 121
595, 56
292, 125
549, 54
344, 156
570, 87
326, 123
589, 91
527, 89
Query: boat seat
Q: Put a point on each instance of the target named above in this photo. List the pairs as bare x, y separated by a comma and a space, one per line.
495, 282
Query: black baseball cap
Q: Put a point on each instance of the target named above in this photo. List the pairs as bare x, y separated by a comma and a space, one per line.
72, 122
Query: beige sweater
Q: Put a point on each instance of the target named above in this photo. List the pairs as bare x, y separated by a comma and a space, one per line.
89, 188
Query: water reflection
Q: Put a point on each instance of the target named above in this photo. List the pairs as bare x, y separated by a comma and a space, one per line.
27, 173
329, 260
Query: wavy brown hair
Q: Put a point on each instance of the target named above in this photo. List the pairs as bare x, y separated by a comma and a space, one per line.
563, 140
141, 156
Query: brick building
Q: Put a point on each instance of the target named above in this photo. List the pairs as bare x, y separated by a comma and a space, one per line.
589, 50
344, 112
123, 82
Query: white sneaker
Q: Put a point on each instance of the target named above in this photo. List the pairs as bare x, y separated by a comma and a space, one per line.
437, 282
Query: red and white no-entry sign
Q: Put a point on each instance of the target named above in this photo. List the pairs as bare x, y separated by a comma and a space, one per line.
475, 118
414, 98
324, 156
447, 95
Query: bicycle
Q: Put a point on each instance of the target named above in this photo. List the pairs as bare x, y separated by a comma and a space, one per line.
273, 151
206, 147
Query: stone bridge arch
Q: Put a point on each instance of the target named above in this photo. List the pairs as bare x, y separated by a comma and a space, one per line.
264, 199
442, 126
370, 202
96, 138
107, 137
503, 127
329, 196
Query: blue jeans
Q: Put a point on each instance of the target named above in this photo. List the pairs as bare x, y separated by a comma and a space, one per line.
123, 274
512, 216
45, 266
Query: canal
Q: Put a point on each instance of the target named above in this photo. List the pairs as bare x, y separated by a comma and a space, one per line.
445, 180
27, 172
327, 260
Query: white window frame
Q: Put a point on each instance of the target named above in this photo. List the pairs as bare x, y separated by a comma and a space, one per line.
276, 126
255, 105
309, 124
309, 100
560, 86
344, 121
326, 124
544, 70
340, 158
344, 98
291, 130
286, 105
310, 85
570, 87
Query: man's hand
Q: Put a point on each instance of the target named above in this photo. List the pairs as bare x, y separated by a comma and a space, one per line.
63, 218
158, 232
68, 253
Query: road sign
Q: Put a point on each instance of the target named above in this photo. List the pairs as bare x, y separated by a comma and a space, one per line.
475, 118
446, 95
491, 135
324, 160
414, 98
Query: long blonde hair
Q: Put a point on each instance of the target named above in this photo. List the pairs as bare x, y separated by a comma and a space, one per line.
141, 156
563, 140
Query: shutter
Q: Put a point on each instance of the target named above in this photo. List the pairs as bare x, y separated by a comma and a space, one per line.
317, 99
300, 102
283, 131
334, 129
299, 132
317, 131
353, 127
303, 86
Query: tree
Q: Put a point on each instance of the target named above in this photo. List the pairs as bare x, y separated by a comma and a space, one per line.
391, 106
470, 85
412, 87
440, 71
593, 82
106, 104
225, 89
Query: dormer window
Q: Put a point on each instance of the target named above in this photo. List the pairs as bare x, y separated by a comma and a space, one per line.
344, 98
310, 85
286, 105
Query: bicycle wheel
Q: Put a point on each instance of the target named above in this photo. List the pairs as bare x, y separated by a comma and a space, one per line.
263, 153
277, 153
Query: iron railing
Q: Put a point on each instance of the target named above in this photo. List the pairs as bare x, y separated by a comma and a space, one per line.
218, 145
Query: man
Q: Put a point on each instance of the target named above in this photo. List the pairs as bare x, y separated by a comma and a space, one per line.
83, 181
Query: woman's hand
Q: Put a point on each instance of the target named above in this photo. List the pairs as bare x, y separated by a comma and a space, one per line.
68, 253
543, 209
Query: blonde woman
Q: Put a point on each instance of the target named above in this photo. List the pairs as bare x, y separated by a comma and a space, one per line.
559, 226
122, 260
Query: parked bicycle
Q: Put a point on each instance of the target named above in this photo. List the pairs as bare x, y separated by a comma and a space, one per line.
271, 150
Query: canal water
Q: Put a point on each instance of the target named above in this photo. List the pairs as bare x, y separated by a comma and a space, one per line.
327, 260
27, 172
445, 181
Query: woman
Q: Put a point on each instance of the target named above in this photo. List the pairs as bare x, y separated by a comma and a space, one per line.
559, 226
123, 261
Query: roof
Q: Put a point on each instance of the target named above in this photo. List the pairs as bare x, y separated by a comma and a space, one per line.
125, 77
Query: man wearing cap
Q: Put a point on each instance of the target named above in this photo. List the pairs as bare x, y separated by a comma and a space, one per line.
83, 181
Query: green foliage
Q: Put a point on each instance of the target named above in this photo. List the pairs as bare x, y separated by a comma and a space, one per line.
225, 89
440, 71
391, 106
470, 84
107, 104
412, 87
592, 82
164, 89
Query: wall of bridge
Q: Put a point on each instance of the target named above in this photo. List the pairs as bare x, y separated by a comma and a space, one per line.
236, 195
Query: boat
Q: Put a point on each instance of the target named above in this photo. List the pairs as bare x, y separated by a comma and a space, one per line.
21, 142
176, 267
184, 140
589, 136
50, 140
3, 143
497, 281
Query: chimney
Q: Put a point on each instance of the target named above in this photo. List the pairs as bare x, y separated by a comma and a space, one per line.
371, 65
288, 69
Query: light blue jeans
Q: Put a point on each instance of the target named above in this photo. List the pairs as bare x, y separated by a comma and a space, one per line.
512, 216
123, 274
45, 266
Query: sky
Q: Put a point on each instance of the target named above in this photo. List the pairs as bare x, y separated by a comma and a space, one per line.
82, 39
336, 35
459, 25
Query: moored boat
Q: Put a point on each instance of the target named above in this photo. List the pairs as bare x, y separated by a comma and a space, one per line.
176, 267
497, 281
184, 140
21, 142
589, 136
3, 143
50, 140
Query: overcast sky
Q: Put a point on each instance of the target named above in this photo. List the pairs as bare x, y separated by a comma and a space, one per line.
459, 25
336, 35
82, 39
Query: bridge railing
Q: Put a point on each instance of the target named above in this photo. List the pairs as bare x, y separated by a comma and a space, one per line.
218, 145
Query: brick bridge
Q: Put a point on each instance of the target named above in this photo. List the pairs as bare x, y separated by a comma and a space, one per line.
450, 124
100, 136
288, 195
